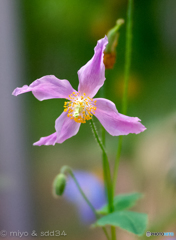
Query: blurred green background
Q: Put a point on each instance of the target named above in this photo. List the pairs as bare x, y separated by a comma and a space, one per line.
58, 39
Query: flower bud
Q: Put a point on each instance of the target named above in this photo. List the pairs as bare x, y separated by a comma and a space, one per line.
110, 50
59, 184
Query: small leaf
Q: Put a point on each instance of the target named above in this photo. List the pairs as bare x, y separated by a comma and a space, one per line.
130, 221
122, 201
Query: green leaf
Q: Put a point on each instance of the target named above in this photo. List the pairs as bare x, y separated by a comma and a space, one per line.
122, 201
130, 221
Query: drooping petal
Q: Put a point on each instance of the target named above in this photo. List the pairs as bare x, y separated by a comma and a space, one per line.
47, 87
65, 127
115, 123
49, 140
92, 75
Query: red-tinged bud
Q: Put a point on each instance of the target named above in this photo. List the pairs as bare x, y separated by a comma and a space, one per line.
110, 50
109, 60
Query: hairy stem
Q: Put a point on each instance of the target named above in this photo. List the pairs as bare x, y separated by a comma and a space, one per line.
107, 177
106, 168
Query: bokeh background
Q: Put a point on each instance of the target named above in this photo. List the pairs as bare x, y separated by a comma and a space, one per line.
42, 37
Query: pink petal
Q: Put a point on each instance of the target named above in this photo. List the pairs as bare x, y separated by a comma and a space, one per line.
115, 123
65, 128
92, 75
47, 87
49, 140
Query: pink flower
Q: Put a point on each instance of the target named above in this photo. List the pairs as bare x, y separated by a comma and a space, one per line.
81, 106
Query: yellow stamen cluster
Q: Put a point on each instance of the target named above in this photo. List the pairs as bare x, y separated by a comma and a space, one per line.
80, 107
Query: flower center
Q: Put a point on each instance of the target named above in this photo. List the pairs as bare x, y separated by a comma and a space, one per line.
80, 108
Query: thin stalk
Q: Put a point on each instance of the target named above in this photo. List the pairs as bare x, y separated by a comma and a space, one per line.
69, 170
107, 176
117, 161
103, 138
106, 233
83, 195
106, 168
127, 55
126, 79
103, 132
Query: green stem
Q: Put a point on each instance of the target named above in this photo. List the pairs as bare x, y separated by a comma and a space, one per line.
106, 168
107, 176
103, 132
127, 55
116, 167
106, 233
82, 193
69, 170
113, 233
126, 79
103, 138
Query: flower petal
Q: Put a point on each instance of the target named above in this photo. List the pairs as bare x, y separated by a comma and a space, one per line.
47, 87
92, 75
49, 140
115, 123
65, 127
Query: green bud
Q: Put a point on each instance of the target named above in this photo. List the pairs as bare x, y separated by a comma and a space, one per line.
113, 36
59, 184
110, 50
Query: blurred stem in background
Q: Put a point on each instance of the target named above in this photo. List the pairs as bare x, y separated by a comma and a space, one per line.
109, 60
126, 79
